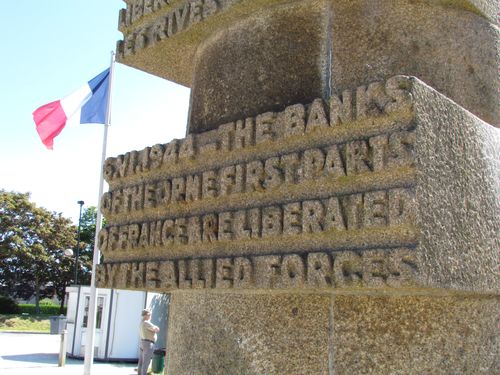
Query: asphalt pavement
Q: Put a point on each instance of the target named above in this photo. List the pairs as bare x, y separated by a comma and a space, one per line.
38, 354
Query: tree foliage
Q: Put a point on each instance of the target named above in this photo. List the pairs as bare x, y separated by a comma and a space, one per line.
32, 244
86, 246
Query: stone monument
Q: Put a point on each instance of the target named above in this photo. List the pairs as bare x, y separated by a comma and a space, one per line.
334, 206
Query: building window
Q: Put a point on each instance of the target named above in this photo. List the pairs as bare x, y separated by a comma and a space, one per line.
100, 305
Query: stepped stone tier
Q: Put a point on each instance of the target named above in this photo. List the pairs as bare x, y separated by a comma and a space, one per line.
334, 207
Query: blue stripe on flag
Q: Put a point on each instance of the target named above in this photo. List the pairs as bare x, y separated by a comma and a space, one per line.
94, 111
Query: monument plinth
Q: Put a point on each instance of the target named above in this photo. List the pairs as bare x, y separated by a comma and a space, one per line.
334, 206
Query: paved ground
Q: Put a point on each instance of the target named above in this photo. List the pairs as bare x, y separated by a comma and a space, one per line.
38, 354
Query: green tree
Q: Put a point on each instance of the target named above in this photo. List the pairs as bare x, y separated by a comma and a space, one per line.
32, 241
60, 268
86, 248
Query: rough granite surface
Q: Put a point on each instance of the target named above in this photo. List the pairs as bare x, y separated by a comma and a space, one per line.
334, 207
454, 51
276, 334
458, 190
451, 45
415, 335
248, 334
421, 211
282, 63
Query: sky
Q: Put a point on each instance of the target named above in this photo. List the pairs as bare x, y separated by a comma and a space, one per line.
51, 48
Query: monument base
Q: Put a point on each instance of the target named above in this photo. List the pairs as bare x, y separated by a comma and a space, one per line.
334, 206
282, 333
382, 258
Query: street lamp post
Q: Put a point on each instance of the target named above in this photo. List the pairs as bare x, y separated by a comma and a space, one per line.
77, 253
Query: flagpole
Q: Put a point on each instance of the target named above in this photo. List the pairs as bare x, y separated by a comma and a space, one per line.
91, 321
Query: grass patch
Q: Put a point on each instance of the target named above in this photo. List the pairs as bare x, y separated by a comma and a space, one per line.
22, 323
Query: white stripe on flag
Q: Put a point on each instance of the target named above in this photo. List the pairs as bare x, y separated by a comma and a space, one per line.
73, 102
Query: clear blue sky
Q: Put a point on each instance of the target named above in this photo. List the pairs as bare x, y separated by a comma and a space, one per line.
49, 49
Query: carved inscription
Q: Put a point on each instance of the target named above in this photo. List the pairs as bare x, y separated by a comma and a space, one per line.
297, 123
312, 180
181, 17
136, 9
383, 208
333, 162
377, 268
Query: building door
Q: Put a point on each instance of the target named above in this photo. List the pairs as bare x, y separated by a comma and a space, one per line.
99, 320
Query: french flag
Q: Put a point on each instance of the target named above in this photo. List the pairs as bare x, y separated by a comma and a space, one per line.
91, 99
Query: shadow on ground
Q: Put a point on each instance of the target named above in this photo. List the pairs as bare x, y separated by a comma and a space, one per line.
35, 358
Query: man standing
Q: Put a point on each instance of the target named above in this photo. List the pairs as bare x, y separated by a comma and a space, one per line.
147, 332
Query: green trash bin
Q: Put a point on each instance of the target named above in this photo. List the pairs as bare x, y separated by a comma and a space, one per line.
158, 361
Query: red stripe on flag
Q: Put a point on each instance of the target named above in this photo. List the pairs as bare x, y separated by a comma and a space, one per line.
50, 120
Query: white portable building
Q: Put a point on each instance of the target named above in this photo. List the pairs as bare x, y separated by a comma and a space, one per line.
117, 321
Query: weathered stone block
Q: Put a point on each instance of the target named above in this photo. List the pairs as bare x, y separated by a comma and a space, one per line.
327, 213
458, 193
452, 50
386, 193
276, 334
242, 57
258, 334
